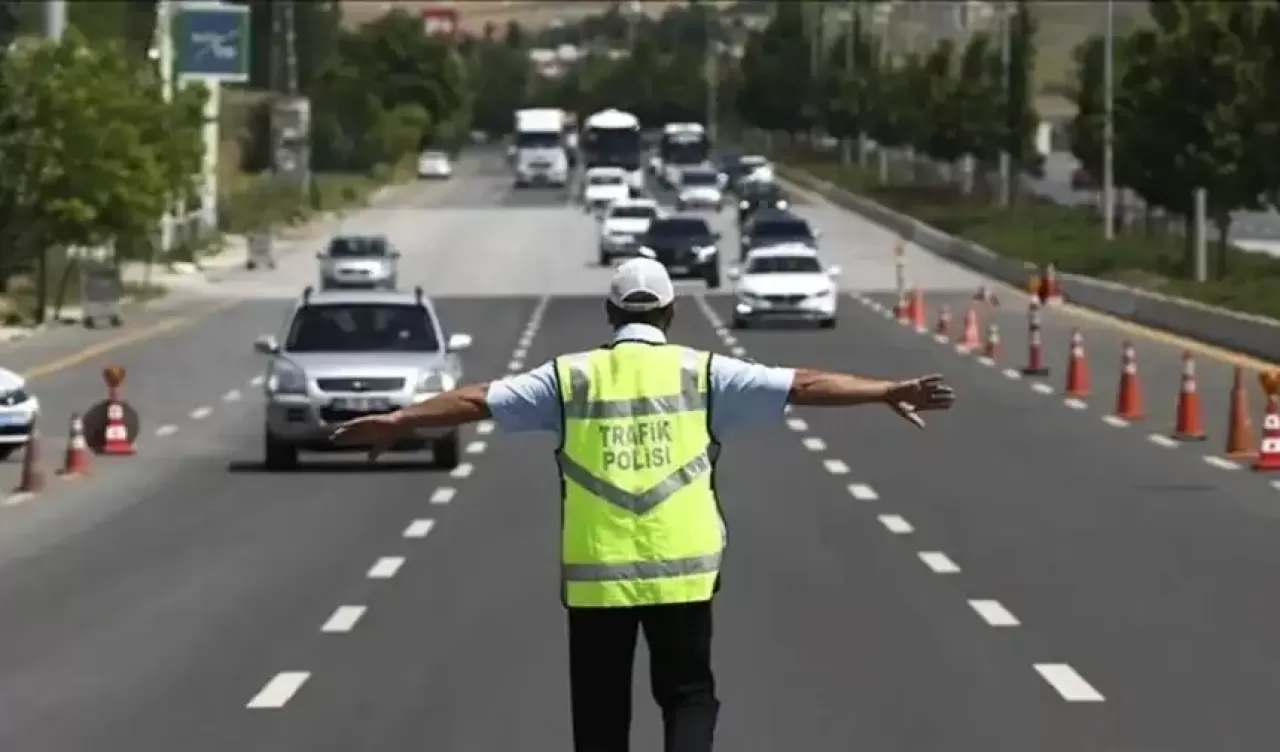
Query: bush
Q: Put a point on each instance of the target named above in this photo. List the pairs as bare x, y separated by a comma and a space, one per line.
260, 202
1069, 237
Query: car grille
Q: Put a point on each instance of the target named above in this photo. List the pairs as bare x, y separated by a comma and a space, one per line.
669, 256
18, 430
784, 299
360, 385
331, 415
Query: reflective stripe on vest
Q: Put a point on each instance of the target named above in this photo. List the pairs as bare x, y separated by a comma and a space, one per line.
669, 554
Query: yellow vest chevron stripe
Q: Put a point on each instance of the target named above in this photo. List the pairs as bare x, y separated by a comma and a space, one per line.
641, 525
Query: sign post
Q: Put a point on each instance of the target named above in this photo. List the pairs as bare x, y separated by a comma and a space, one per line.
211, 41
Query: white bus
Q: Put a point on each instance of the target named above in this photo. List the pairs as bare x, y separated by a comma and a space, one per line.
682, 145
539, 147
611, 138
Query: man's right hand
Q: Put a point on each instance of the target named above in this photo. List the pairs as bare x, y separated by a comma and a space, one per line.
909, 398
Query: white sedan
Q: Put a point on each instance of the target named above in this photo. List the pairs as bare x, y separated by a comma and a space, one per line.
18, 411
434, 164
785, 282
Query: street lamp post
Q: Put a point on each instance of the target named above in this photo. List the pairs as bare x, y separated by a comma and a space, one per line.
1108, 127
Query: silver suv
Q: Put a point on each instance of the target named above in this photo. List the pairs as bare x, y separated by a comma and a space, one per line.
360, 262
349, 353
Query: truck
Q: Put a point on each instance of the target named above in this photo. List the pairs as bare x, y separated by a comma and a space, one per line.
539, 155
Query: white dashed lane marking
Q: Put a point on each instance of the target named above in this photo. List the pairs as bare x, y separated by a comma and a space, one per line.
738, 352
993, 613
836, 467
167, 430
462, 471
485, 427
895, 524
257, 380
1010, 373
200, 413
1116, 421
1069, 684
814, 444
863, 492
419, 528
443, 495
515, 366
939, 562
796, 424
475, 447
386, 567
282, 687
232, 396
1222, 463
1075, 403
1163, 441
1042, 388
343, 620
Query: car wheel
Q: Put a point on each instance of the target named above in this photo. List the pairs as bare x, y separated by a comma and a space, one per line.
446, 451
828, 323
604, 258
277, 454
739, 322
713, 280
7, 451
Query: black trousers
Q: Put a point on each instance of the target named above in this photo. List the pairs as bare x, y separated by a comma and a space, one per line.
602, 646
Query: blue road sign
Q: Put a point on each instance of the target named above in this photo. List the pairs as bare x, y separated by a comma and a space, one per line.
212, 41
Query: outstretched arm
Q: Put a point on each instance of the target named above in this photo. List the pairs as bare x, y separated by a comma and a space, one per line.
830, 389
466, 404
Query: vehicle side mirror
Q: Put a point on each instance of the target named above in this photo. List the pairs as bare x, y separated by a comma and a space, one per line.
715, 236
395, 254
319, 254
459, 342
735, 273
817, 234
833, 271
266, 344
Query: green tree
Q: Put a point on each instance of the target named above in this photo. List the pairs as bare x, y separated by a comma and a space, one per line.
940, 136
1021, 120
777, 88
1087, 126
977, 101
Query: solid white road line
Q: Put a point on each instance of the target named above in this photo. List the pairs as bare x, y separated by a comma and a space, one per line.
1068, 683
443, 495
814, 444
484, 427
475, 447
343, 620
282, 687
462, 471
796, 424
1163, 441
994, 614
419, 528
836, 467
386, 567
200, 413
939, 562
895, 524
863, 492
166, 430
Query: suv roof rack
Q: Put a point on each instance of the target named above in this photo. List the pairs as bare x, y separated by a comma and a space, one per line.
306, 294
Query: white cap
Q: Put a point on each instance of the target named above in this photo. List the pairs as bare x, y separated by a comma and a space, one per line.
641, 284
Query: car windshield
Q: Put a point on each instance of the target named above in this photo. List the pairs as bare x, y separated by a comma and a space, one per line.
761, 191
679, 228
633, 212
436, 156
753, 161
783, 265
358, 247
781, 228
604, 179
362, 328
699, 179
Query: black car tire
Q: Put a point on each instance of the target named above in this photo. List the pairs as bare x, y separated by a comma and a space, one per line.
604, 259
8, 449
447, 451
827, 323
277, 454
739, 323
713, 279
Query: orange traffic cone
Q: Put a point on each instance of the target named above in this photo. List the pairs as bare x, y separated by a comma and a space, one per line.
116, 439
969, 339
1035, 355
1269, 452
993, 350
1129, 395
1239, 427
902, 309
984, 295
1050, 294
1189, 426
942, 329
1077, 368
917, 310
32, 480
76, 463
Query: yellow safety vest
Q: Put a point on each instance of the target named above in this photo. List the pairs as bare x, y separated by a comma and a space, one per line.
641, 525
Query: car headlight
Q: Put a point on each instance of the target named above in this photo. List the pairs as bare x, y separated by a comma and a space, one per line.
646, 252
748, 297
705, 252
287, 378
782, 204
743, 205
823, 294
435, 382
14, 397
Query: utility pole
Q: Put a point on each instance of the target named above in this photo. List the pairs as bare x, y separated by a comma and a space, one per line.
164, 61
290, 50
55, 19
1108, 126
1006, 33
713, 75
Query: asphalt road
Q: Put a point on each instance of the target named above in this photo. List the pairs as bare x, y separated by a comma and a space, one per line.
1021, 576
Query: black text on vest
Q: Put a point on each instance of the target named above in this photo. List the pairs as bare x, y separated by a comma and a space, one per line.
641, 445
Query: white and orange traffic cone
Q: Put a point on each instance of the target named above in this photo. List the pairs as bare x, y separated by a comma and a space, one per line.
1189, 425
76, 463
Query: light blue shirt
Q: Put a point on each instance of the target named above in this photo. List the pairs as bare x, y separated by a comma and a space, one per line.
743, 394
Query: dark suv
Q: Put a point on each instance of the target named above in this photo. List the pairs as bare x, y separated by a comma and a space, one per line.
773, 227
686, 246
759, 194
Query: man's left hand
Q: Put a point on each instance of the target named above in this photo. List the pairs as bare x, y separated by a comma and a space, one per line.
379, 431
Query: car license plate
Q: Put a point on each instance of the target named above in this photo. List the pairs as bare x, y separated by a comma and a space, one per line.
361, 404
14, 419
678, 269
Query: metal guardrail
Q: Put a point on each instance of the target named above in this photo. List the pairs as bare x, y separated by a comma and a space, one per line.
1258, 336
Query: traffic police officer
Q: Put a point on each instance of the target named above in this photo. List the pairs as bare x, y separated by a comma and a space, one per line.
640, 422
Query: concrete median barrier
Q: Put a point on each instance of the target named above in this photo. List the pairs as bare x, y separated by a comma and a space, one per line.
1255, 335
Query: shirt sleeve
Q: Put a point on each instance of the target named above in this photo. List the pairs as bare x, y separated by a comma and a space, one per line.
745, 394
526, 401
